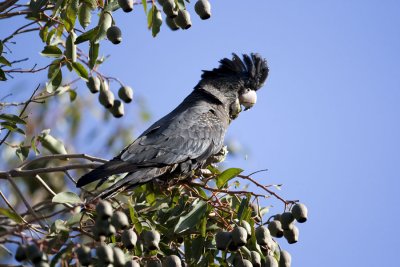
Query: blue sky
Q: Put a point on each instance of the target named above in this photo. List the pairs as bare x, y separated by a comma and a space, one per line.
326, 124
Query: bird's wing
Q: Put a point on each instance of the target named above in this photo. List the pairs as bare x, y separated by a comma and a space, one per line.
187, 133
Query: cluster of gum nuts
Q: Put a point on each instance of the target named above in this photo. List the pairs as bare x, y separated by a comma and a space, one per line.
282, 225
108, 223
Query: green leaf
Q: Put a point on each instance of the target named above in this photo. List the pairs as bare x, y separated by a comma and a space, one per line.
67, 197
4, 61
69, 17
12, 127
12, 118
93, 54
58, 226
134, 218
55, 76
150, 17
87, 36
12, 215
156, 22
1, 47
52, 144
144, 4
80, 70
226, 175
191, 219
51, 51
243, 205
2, 75
72, 95
22, 152
36, 5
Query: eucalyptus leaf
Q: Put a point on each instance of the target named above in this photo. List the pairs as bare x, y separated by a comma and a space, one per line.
227, 175
191, 219
67, 198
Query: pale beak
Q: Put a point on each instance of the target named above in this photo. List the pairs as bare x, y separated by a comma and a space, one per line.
248, 99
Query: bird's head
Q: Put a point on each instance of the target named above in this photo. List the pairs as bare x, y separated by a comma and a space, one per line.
236, 80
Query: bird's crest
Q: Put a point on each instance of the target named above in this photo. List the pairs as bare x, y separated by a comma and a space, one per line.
252, 69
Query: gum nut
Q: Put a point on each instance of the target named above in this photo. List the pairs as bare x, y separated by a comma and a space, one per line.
171, 24
84, 256
255, 210
169, 9
245, 263
120, 220
203, 9
153, 263
300, 212
172, 261
248, 99
287, 220
104, 209
125, 93
263, 236
93, 84
106, 98
183, 19
277, 217
270, 261
117, 110
129, 239
126, 5
151, 239
255, 258
275, 228
114, 34
246, 226
103, 228
34, 253
291, 235
20, 254
105, 253
222, 240
132, 263
285, 259
239, 236
119, 257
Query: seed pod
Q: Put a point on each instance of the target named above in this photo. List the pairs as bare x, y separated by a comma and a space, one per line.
93, 84
34, 253
126, 5
203, 9
300, 212
255, 258
105, 253
129, 238
106, 97
285, 259
119, 257
103, 228
242, 263
120, 220
239, 236
114, 34
117, 109
270, 261
171, 24
84, 256
105, 22
183, 19
263, 235
84, 14
291, 235
125, 93
104, 209
169, 8
275, 228
255, 210
70, 47
246, 226
153, 263
151, 239
20, 254
132, 264
287, 220
222, 240
172, 261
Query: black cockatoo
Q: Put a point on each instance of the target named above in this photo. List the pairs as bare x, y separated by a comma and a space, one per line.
188, 137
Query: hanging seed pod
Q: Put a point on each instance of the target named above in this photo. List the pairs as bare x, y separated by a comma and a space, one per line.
126, 5
84, 14
84, 256
119, 218
203, 9
171, 24
239, 236
270, 261
275, 228
70, 47
183, 19
20, 254
125, 93
34, 253
222, 240
151, 239
129, 239
105, 22
93, 84
263, 235
169, 8
117, 110
292, 235
300, 212
172, 261
119, 257
114, 35
104, 209
285, 259
287, 220
106, 97
255, 258
132, 263
105, 254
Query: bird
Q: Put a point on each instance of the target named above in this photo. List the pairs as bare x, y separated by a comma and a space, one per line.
190, 136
